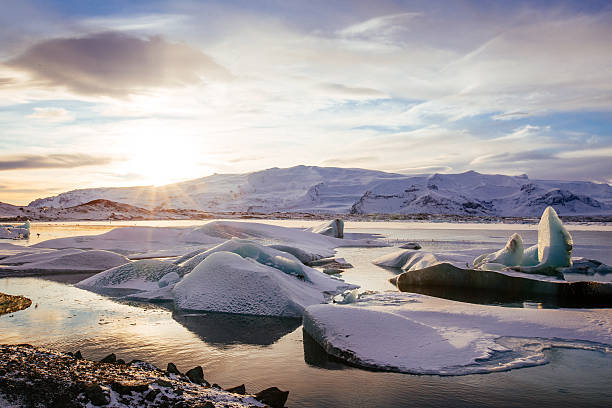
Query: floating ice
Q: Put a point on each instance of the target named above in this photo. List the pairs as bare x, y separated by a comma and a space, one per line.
425, 335
141, 275
227, 282
11, 231
554, 245
334, 228
510, 255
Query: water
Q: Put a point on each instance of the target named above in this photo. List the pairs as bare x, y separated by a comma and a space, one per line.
263, 352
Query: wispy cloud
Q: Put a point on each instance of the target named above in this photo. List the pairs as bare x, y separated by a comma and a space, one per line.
52, 114
24, 162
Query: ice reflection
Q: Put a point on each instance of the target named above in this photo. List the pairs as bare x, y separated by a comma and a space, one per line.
222, 329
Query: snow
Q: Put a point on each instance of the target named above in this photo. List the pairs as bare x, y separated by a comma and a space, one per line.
510, 255
144, 274
22, 258
227, 282
280, 260
147, 242
337, 190
83, 261
419, 334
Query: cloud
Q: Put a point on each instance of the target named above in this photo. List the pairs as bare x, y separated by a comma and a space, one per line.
64, 161
514, 157
117, 64
52, 114
351, 91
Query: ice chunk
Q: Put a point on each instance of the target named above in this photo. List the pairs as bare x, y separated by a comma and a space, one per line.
334, 228
395, 259
554, 245
426, 335
142, 275
304, 256
530, 256
227, 282
168, 279
280, 260
510, 255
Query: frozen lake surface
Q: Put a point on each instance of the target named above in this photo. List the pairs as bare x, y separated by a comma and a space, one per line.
263, 351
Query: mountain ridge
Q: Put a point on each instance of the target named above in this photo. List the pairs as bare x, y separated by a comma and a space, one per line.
337, 190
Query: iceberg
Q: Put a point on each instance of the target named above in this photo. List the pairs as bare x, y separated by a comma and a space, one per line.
227, 282
510, 255
146, 274
334, 228
554, 245
419, 334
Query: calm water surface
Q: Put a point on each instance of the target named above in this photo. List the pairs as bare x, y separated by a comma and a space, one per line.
263, 352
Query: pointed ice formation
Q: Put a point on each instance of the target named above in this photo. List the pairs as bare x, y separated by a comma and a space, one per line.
510, 255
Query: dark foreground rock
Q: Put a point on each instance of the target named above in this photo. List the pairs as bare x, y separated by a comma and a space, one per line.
501, 287
273, 397
33, 377
10, 303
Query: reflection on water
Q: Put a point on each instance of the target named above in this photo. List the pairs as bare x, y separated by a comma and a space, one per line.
69, 319
264, 352
222, 329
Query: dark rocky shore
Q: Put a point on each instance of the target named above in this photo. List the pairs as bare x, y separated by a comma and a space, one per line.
38, 377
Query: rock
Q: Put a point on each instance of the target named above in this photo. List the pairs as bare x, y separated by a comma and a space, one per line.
240, 389
96, 395
196, 375
111, 358
273, 397
172, 369
410, 245
332, 271
151, 395
207, 404
126, 387
163, 383
120, 361
78, 355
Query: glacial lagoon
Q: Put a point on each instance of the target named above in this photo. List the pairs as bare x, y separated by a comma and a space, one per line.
265, 351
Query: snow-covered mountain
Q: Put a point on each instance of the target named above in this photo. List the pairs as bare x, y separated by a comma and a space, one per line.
358, 191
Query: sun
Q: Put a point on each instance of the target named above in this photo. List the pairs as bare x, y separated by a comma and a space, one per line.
158, 161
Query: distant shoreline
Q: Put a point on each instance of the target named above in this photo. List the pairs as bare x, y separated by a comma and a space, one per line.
484, 219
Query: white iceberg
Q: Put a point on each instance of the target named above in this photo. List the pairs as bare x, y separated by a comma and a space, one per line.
227, 282
268, 256
419, 334
510, 255
11, 231
554, 244
143, 275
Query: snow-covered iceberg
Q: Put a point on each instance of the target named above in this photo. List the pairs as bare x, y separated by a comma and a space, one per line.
144, 274
554, 250
419, 334
510, 255
154, 242
227, 282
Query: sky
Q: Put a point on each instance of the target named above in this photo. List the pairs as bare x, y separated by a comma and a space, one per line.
123, 93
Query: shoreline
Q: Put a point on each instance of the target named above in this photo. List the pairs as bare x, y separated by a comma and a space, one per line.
32, 375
